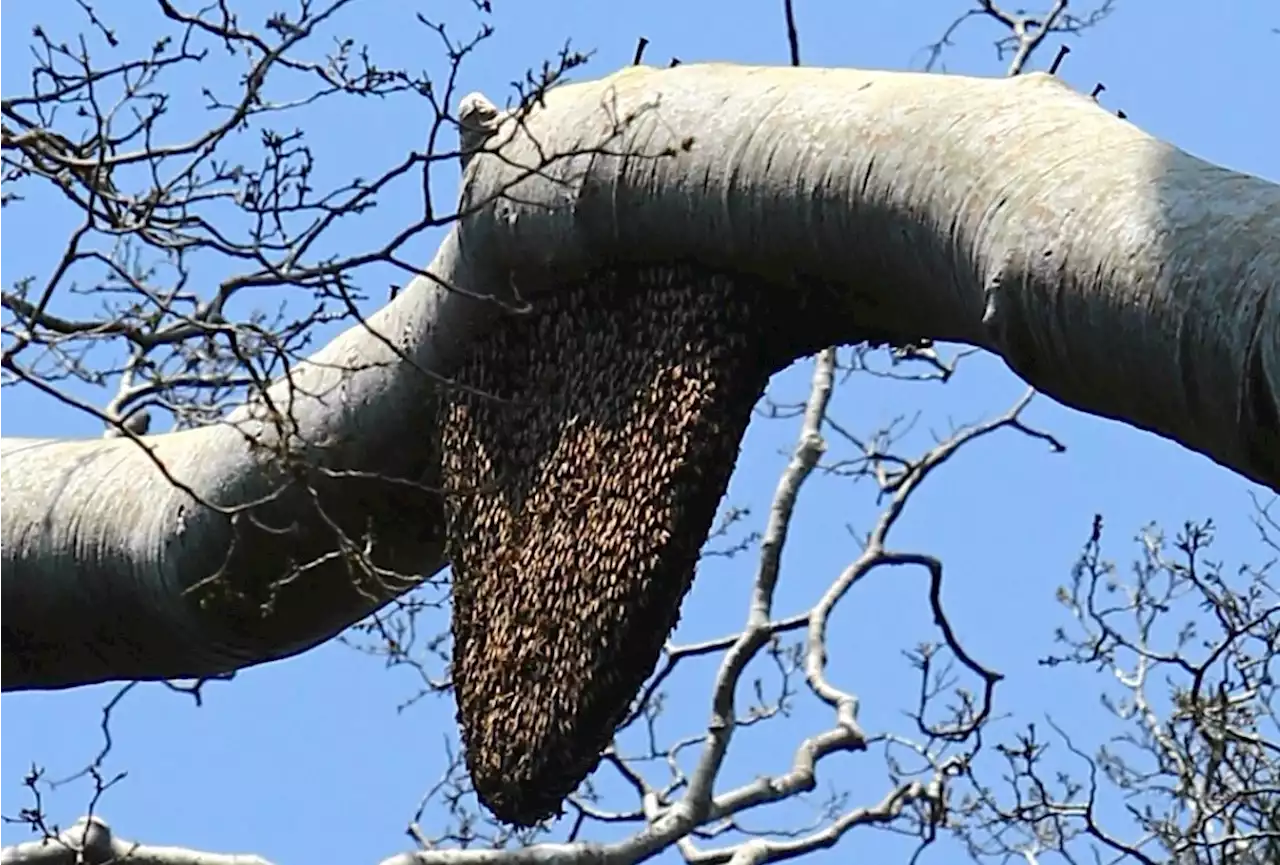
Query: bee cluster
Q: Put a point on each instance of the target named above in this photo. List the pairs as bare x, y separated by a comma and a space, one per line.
581, 481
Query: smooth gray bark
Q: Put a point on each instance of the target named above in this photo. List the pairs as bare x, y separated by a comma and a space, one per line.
1111, 270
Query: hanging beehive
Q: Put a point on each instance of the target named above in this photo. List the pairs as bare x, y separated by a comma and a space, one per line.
579, 492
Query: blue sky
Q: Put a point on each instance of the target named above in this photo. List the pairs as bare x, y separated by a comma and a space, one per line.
309, 759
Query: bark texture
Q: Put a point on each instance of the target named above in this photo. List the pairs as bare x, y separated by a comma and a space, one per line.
1113, 271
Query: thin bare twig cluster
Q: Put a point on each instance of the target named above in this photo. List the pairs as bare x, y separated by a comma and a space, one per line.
198, 267
1193, 650
1021, 31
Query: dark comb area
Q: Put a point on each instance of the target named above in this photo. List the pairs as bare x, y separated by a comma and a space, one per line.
580, 488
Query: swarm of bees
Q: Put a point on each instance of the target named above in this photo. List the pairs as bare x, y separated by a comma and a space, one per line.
582, 473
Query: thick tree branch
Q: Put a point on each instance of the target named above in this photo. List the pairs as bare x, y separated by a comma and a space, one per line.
91, 842
1111, 270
